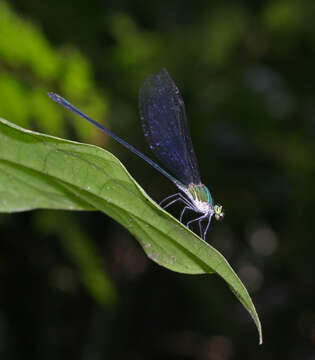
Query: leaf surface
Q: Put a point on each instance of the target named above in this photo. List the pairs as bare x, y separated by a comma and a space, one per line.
38, 171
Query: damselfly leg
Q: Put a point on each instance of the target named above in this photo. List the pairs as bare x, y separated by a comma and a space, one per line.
200, 218
203, 234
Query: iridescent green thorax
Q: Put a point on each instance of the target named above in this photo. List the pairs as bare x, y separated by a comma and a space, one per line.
200, 193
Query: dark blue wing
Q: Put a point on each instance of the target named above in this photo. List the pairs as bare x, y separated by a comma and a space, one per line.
164, 122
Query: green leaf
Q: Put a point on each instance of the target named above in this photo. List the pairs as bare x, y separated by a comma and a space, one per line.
41, 171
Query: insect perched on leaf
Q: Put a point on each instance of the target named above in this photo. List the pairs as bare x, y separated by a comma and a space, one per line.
164, 122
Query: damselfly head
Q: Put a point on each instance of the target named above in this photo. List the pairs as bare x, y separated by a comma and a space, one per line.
218, 212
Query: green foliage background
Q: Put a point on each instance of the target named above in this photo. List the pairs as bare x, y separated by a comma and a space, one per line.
77, 285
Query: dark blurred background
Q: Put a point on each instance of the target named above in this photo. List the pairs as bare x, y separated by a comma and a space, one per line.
77, 285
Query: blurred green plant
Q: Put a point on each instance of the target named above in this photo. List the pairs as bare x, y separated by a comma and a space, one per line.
44, 172
29, 65
83, 253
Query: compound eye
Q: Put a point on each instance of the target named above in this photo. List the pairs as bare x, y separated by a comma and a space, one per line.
218, 209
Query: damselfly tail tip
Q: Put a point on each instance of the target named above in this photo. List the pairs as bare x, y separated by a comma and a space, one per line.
56, 97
